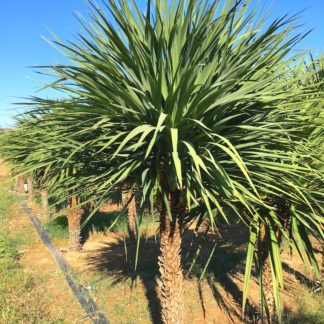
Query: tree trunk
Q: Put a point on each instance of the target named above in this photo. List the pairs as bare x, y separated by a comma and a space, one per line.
31, 198
74, 222
322, 264
44, 196
132, 219
20, 184
267, 274
17, 184
268, 291
171, 279
129, 197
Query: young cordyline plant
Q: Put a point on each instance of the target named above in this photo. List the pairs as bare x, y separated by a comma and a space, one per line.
297, 214
190, 103
16, 145
39, 153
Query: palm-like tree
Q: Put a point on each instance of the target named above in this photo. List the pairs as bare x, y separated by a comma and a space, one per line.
16, 145
129, 201
296, 214
189, 103
186, 96
30, 149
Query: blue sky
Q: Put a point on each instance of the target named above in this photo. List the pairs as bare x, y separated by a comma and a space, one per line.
23, 22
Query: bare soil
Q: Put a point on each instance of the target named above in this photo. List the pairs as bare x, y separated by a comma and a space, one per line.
128, 296
106, 267
4, 170
58, 299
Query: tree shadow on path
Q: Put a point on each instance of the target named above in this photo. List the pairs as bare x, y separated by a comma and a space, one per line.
118, 257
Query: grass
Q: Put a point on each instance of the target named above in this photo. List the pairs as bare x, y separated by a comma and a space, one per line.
18, 301
58, 228
310, 309
100, 222
22, 302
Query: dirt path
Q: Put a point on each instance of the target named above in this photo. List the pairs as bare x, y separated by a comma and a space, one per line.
36, 260
4, 170
126, 295
53, 293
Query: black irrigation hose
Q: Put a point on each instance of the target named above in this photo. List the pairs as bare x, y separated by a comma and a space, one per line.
82, 294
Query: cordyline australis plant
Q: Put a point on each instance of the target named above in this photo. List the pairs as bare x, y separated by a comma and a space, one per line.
48, 148
190, 102
16, 145
296, 213
40, 152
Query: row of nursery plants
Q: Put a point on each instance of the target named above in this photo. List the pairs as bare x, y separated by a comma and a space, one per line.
194, 111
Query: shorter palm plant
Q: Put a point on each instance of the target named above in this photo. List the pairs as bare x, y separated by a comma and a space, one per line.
297, 212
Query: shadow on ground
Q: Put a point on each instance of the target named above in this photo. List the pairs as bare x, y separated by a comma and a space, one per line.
100, 222
226, 262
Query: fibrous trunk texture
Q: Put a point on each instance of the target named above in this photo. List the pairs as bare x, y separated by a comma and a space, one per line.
322, 265
74, 222
267, 287
171, 279
132, 219
30, 188
44, 197
267, 274
129, 198
20, 184
17, 188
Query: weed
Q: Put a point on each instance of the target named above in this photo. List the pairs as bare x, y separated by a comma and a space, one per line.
310, 309
18, 301
58, 228
119, 310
